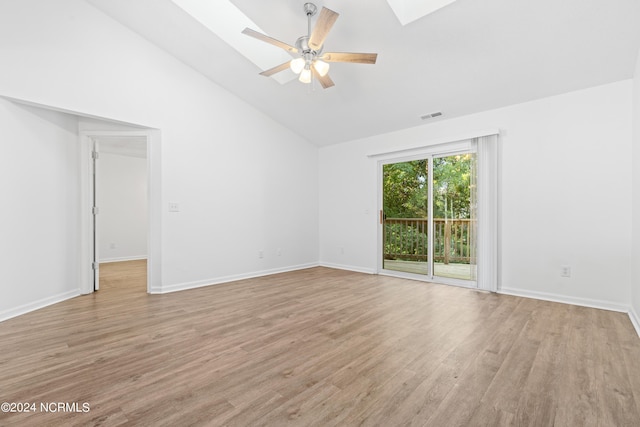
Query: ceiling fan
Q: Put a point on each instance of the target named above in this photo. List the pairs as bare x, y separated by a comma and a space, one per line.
311, 61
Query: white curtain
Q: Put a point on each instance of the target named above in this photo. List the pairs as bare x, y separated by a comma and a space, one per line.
487, 149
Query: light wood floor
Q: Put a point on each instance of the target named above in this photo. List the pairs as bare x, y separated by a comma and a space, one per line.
319, 347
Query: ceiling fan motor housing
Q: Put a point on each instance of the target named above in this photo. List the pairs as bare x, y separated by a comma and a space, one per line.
302, 44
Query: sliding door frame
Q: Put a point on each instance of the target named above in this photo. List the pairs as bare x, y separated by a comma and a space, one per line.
423, 153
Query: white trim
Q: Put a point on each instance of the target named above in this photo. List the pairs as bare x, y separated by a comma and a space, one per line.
436, 142
124, 258
85, 273
565, 299
154, 194
226, 279
353, 268
74, 112
635, 320
36, 305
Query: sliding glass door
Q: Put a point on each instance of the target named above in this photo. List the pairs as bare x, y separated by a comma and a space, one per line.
405, 216
454, 216
428, 217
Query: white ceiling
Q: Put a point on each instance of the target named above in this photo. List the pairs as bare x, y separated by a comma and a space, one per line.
467, 57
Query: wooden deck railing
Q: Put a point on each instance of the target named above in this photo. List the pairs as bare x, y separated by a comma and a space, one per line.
407, 239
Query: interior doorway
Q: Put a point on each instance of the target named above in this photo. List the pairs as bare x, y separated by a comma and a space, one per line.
121, 197
121, 223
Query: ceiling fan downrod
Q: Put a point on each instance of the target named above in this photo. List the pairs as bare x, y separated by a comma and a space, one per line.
306, 52
310, 10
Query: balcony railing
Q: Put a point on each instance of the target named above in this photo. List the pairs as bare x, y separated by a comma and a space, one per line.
407, 239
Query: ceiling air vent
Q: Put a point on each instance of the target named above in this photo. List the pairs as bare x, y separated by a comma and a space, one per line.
431, 115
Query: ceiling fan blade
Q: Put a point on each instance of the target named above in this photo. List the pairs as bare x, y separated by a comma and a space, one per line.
325, 81
323, 25
360, 58
270, 40
276, 69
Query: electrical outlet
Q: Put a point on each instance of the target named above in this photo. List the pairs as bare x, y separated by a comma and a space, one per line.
174, 207
260, 254
279, 252
565, 271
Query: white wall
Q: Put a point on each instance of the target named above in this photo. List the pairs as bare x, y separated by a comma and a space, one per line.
244, 182
39, 216
635, 283
122, 199
565, 185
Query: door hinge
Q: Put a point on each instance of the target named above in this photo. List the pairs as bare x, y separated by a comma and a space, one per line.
95, 155
94, 265
95, 210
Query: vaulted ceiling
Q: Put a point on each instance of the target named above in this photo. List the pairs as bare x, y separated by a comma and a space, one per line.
466, 57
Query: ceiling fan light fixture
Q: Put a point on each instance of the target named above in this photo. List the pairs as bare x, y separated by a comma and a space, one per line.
321, 67
305, 75
297, 65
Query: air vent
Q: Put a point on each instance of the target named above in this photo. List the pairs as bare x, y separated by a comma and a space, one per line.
431, 115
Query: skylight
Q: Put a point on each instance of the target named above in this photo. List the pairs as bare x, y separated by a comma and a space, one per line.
227, 21
409, 10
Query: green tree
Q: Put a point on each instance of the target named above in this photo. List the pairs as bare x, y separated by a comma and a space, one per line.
405, 189
452, 186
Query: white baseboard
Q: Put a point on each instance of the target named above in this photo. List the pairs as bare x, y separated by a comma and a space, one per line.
605, 305
348, 268
584, 302
120, 259
32, 306
635, 320
226, 279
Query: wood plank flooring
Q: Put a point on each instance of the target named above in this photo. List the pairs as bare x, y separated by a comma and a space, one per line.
318, 347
